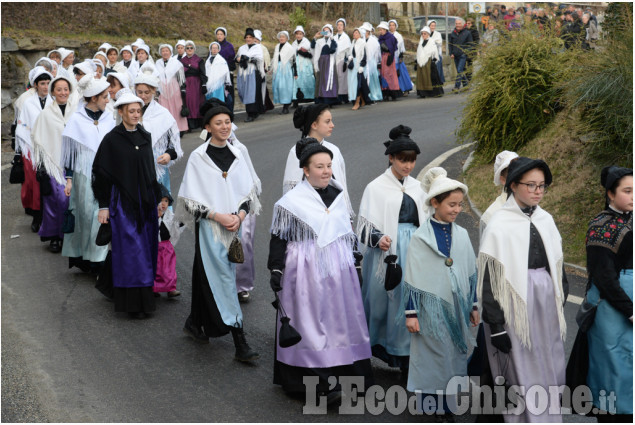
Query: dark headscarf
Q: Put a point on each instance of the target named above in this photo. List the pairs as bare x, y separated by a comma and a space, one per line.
308, 147
213, 107
400, 141
248, 31
165, 193
306, 115
520, 166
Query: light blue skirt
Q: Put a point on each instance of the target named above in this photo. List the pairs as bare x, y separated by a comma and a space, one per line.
306, 79
373, 82
283, 84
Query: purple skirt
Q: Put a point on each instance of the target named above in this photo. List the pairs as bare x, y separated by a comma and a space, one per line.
53, 207
327, 311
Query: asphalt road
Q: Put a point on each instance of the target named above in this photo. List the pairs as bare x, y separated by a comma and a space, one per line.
68, 357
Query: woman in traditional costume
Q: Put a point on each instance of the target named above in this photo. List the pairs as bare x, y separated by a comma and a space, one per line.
435, 36
439, 294
388, 71
282, 66
313, 273
405, 83
250, 70
501, 167
227, 51
341, 66
195, 78
523, 288
428, 83
80, 140
142, 55
29, 114
218, 191
180, 49
157, 120
47, 149
303, 75
171, 80
217, 71
609, 248
358, 90
112, 64
126, 56
373, 58
391, 210
324, 49
125, 186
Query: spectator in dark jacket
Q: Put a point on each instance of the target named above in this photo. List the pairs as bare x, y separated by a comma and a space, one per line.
471, 26
460, 45
571, 32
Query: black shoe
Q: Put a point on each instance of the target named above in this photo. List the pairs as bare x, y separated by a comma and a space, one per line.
157, 295
138, 315
250, 118
36, 223
195, 332
243, 296
285, 110
244, 353
55, 246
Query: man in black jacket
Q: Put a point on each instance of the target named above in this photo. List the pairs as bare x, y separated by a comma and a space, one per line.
460, 43
473, 51
572, 30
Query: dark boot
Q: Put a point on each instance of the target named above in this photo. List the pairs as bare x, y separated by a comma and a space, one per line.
195, 332
285, 109
37, 221
295, 104
244, 353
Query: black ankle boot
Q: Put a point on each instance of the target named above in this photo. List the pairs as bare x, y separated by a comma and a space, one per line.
37, 221
244, 353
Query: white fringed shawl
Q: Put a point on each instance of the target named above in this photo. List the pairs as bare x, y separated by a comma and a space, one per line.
504, 252
29, 114
429, 52
47, 139
285, 55
160, 123
301, 216
217, 73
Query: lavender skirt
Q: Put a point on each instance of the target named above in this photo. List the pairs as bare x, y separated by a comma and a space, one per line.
544, 364
327, 312
53, 207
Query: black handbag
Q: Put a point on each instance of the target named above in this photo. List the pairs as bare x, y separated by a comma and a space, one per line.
17, 170
104, 235
393, 273
185, 112
235, 252
68, 226
586, 314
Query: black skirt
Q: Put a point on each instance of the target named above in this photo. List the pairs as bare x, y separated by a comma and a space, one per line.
291, 378
134, 300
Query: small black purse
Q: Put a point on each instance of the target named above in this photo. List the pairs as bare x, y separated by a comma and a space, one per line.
235, 252
104, 235
393, 273
68, 226
185, 112
17, 170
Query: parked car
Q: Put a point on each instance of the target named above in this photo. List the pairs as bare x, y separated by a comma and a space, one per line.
420, 22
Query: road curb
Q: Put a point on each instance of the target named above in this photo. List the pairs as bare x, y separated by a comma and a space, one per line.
445, 156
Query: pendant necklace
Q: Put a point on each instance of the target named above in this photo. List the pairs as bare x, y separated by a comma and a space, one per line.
448, 260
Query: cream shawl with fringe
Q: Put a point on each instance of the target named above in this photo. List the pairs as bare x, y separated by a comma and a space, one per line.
504, 252
160, 123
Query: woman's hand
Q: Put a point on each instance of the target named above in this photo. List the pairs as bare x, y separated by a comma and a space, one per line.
412, 323
318, 35
164, 159
230, 222
384, 243
68, 187
475, 318
103, 216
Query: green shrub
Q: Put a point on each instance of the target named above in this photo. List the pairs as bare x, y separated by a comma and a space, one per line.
298, 17
513, 92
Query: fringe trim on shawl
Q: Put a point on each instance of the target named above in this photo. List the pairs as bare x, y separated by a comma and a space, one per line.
365, 228
509, 300
289, 227
42, 160
436, 317
559, 301
159, 148
288, 185
23, 147
77, 157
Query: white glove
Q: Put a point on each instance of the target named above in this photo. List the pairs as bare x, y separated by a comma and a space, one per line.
360, 70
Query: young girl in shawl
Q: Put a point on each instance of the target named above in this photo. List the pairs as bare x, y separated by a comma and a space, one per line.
357, 63
124, 184
311, 263
439, 293
80, 140
373, 58
112, 65
428, 83
388, 71
169, 232
47, 149
609, 247
324, 49
405, 83
217, 71
303, 76
166, 141
282, 65
29, 114
391, 209
250, 72
142, 56
195, 78
523, 288
171, 80
218, 191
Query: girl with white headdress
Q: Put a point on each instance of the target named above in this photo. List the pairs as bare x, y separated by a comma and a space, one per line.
324, 53
68, 57
358, 90
217, 71
373, 57
47, 150
343, 46
180, 49
405, 83
17, 103
428, 83
112, 64
171, 82
80, 140
166, 141
49, 64
29, 113
303, 75
142, 55
282, 65
126, 56
435, 36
